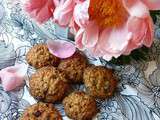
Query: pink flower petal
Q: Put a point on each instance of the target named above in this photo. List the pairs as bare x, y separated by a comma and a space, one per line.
108, 56
80, 14
87, 37
111, 43
152, 4
60, 48
9, 83
73, 27
90, 36
64, 12
78, 38
150, 32
138, 28
136, 8
116, 41
40, 10
12, 77
98, 50
56, 2
142, 33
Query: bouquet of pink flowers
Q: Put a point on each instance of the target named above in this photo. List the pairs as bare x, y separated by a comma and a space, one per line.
105, 28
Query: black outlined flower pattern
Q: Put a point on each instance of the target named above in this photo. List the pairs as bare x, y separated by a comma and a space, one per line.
138, 93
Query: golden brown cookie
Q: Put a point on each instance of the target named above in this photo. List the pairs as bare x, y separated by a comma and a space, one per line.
99, 82
48, 85
73, 67
39, 56
80, 106
41, 111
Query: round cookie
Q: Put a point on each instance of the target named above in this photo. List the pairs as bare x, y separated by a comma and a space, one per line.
39, 56
48, 85
99, 82
79, 106
41, 111
73, 67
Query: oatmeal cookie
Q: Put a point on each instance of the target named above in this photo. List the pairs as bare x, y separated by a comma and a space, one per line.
80, 106
41, 111
99, 81
74, 67
48, 85
39, 56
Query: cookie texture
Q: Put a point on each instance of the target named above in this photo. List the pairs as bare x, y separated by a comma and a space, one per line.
99, 82
39, 56
80, 106
48, 84
73, 67
41, 111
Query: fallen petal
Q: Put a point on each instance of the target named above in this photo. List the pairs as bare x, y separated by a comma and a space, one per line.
12, 77
60, 48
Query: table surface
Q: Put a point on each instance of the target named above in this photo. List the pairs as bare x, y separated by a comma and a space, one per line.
138, 93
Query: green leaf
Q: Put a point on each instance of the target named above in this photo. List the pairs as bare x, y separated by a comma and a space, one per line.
154, 15
138, 55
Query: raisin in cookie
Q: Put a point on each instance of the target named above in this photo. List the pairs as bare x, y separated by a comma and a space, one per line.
41, 111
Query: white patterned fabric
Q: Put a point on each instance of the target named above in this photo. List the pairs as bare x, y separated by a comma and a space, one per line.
138, 93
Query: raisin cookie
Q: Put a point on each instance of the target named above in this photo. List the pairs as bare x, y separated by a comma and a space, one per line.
41, 111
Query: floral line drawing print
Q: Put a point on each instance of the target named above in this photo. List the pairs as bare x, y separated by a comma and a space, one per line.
12, 104
149, 91
138, 93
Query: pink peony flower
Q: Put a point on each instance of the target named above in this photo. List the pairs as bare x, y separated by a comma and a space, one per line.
41, 10
111, 28
105, 28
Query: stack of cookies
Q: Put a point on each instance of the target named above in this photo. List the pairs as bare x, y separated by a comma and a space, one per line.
52, 83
